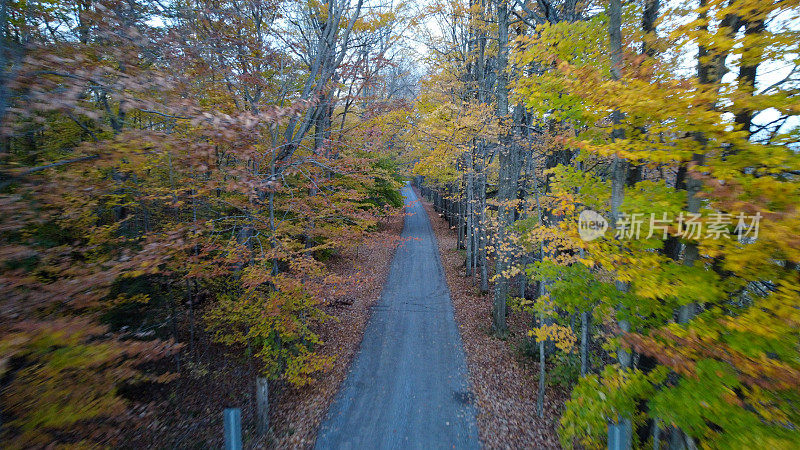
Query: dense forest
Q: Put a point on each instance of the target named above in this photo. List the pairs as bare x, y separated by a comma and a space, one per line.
673, 128
189, 189
181, 171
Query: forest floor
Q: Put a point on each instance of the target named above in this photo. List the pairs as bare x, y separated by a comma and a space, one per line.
187, 413
504, 381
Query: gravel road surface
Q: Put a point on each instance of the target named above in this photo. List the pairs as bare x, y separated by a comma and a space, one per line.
407, 386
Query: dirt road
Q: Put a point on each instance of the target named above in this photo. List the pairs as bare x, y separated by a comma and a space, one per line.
408, 385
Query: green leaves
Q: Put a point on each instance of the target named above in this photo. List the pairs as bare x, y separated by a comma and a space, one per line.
713, 404
575, 287
599, 399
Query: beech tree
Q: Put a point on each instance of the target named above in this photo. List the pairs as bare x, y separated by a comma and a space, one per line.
169, 169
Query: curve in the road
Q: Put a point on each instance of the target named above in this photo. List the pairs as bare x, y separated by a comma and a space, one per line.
407, 387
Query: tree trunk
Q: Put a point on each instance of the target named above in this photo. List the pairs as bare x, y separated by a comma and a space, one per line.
585, 342
618, 174
483, 257
691, 254
542, 374
470, 222
747, 76
506, 183
710, 72
619, 171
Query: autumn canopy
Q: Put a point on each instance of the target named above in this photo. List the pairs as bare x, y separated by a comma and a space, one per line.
183, 182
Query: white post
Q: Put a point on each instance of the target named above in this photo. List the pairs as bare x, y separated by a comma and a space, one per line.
262, 405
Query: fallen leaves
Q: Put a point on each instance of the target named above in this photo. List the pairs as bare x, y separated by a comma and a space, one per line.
297, 413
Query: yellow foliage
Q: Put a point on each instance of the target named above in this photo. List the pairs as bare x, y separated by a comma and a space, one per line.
563, 336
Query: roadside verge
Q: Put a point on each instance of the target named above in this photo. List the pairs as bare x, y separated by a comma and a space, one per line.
298, 413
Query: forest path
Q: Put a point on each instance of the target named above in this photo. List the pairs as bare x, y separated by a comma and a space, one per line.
407, 386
